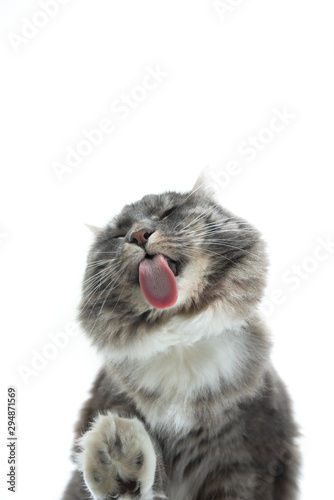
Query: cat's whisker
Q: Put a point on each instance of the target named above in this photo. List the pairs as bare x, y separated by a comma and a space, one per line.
93, 287
97, 285
200, 216
204, 234
108, 294
98, 252
93, 307
212, 252
224, 245
96, 273
219, 230
110, 276
225, 227
97, 276
113, 288
102, 292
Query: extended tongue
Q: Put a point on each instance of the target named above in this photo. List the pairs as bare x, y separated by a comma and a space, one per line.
158, 282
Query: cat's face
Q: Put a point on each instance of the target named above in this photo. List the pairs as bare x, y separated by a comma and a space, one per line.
169, 255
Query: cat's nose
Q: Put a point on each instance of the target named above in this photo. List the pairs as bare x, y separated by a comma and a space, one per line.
141, 237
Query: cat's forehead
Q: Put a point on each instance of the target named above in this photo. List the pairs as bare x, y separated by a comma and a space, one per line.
152, 205
184, 205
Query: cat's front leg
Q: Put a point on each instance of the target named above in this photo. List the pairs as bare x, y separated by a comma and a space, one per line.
118, 459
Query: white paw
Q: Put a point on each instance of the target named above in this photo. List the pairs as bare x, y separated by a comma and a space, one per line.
117, 459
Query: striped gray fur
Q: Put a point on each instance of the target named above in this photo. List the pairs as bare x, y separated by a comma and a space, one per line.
197, 375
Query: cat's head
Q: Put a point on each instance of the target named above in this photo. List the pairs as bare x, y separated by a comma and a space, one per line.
168, 259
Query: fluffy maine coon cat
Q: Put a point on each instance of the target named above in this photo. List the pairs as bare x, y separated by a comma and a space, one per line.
187, 405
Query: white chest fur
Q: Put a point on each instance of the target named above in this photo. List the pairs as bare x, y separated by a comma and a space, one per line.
197, 356
182, 373
183, 359
179, 331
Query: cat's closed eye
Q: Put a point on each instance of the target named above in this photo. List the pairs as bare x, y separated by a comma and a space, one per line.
167, 213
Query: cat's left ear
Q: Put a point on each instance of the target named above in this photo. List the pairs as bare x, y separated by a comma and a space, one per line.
94, 229
206, 184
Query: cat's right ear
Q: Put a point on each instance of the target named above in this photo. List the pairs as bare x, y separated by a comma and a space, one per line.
207, 185
94, 229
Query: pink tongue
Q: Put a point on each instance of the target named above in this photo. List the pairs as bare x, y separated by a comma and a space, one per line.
158, 282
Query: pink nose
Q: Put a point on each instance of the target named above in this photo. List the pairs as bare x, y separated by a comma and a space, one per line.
141, 237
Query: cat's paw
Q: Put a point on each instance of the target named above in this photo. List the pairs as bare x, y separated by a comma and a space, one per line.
117, 459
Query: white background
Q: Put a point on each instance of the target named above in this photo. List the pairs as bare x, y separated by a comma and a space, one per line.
226, 75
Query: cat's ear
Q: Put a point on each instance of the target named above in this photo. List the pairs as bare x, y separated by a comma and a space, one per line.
206, 184
94, 229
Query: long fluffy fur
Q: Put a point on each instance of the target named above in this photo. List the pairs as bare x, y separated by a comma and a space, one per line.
196, 376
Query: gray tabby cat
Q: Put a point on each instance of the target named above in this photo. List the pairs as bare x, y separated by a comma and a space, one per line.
187, 405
